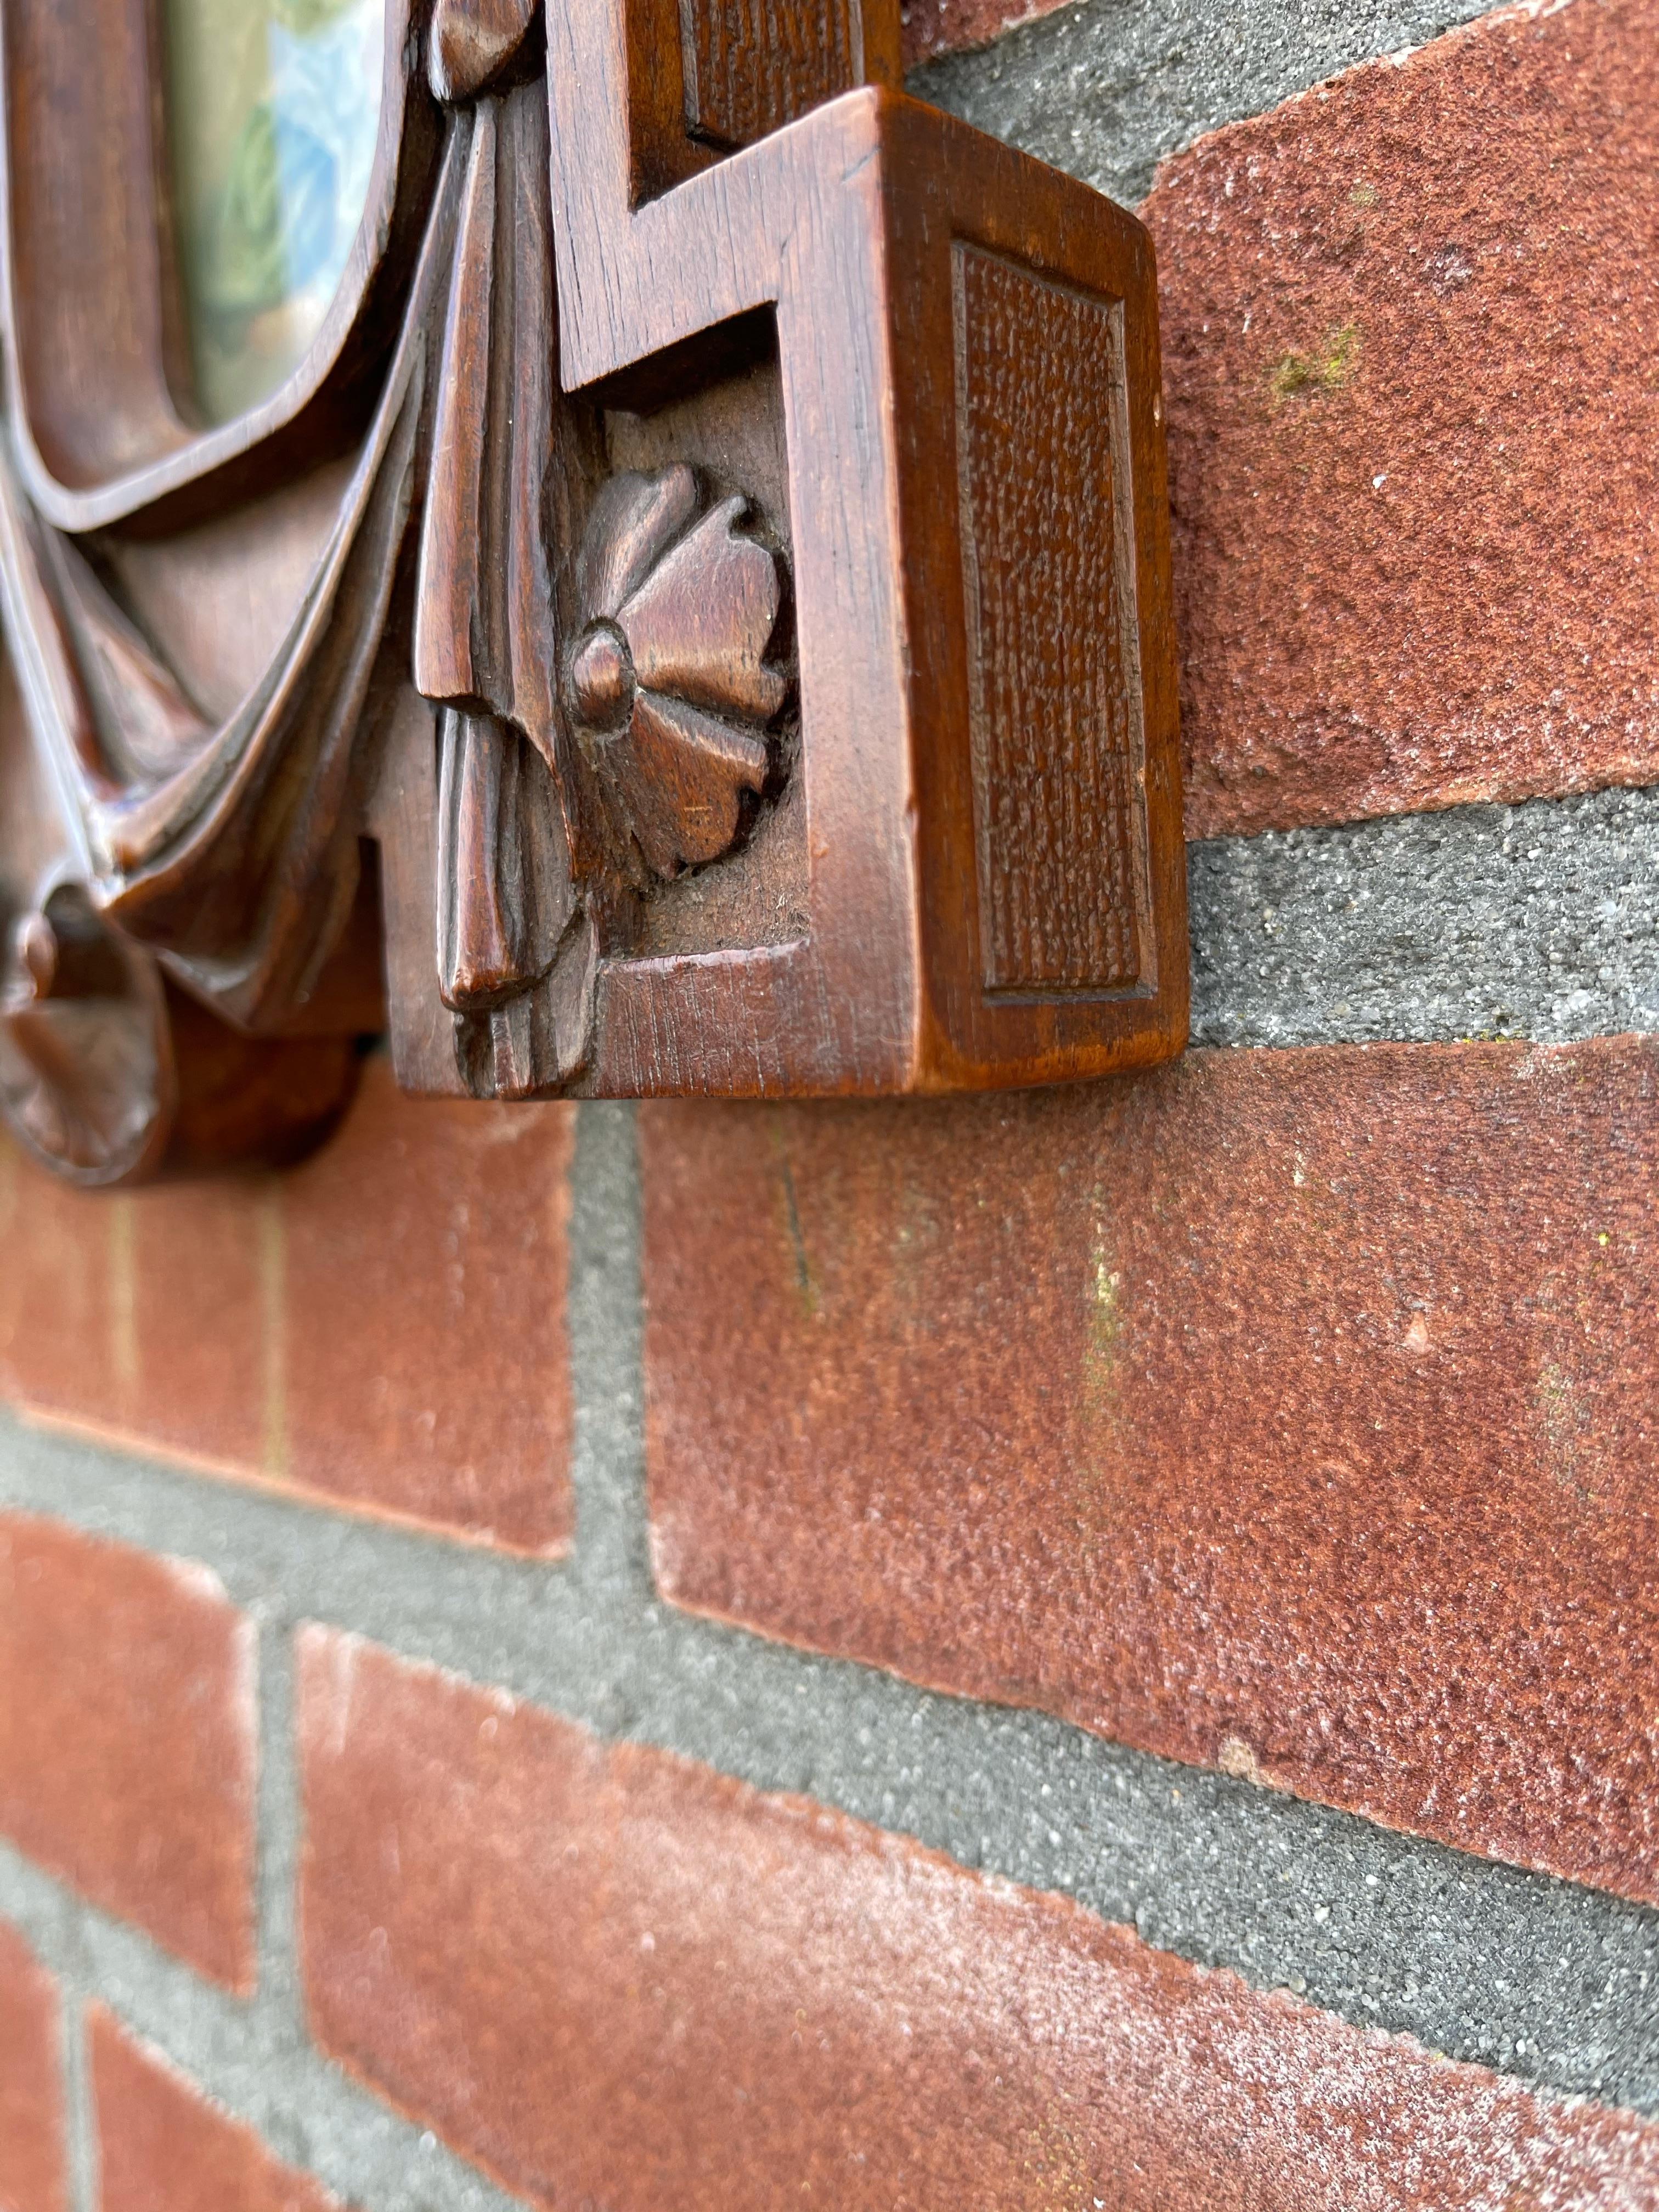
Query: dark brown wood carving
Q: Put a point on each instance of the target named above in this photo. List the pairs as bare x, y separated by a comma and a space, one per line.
693, 615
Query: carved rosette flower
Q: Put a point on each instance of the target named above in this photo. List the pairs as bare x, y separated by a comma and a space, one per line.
668, 682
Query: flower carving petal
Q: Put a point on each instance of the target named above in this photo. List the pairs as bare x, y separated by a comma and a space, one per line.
634, 518
682, 774
668, 680
700, 622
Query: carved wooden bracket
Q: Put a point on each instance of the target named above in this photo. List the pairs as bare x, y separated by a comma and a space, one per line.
700, 600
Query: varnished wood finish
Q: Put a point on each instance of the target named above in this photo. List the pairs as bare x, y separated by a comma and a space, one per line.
751, 66
716, 551
846, 226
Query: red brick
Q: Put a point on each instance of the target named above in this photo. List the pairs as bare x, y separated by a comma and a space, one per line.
612, 1977
383, 1328
188, 1314
163, 2147
1290, 1412
1409, 325
427, 1359
127, 1744
33, 2174
56, 1333
942, 26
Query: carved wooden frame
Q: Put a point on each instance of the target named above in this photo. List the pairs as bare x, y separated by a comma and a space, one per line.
741, 622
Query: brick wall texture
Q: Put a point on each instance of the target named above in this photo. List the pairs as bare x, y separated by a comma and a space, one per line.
311, 1331
163, 2147
33, 2166
1088, 1650
1409, 321
1290, 1412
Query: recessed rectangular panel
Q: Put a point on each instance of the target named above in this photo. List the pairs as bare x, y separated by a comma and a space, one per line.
1059, 804
753, 65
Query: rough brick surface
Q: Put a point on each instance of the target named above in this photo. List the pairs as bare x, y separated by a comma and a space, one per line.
127, 1747
384, 1328
1409, 325
33, 2175
1288, 1411
613, 1977
943, 27
163, 2147
426, 1356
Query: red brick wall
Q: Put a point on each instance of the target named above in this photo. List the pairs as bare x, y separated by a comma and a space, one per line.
163, 2147
1092, 1648
689, 1988
1407, 321
33, 2166
382, 1329
1100, 1399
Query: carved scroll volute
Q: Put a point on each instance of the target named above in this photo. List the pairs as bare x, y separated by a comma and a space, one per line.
86, 1068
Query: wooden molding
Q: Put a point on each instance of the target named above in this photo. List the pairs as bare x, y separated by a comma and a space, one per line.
700, 611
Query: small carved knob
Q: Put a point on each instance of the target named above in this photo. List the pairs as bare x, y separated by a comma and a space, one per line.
602, 678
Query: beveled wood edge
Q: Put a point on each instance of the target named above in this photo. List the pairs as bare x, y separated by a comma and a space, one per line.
203, 454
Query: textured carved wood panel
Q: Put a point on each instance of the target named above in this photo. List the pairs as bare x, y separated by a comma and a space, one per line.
752, 65
1056, 743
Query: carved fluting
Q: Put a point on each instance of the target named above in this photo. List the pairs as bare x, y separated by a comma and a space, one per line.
508, 896
535, 1039
516, 948
668, 680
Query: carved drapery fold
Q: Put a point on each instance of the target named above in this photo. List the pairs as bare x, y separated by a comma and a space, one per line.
517, 946
238, 865
485, 622
84, 1069
229, 851
223, 854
